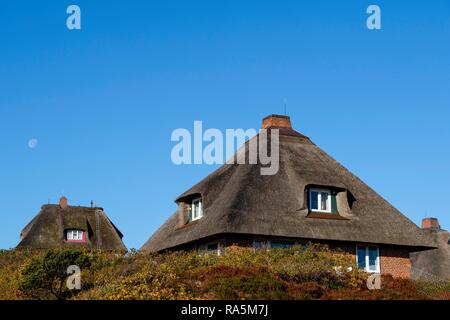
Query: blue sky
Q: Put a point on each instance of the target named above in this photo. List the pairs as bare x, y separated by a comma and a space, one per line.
103, 101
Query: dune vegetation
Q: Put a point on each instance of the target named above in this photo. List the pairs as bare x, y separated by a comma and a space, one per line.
311, 272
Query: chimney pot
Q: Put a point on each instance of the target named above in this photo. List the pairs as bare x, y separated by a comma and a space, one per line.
63, 202
277, 121
430, 223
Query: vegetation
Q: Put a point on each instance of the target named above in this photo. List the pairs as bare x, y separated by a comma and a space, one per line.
46, 276
313, 272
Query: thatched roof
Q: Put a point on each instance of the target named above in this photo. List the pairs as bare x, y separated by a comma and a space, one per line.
237, 199
47, 229
433, 264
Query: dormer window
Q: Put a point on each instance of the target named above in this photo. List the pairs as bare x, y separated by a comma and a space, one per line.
320, 200
74, 235
197, 209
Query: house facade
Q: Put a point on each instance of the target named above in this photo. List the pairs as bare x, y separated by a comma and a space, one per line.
64, 226
312, 198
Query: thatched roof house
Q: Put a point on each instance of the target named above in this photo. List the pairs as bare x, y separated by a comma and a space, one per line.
64, 226
433, 264
311, 198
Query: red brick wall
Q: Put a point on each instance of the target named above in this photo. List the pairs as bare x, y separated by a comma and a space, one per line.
395, 261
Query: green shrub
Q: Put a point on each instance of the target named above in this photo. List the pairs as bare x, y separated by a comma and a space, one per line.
10, 265
45, 277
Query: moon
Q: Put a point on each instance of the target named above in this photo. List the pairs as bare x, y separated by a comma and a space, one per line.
32, 143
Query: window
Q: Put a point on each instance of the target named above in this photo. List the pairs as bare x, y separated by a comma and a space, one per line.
368, 258
197, 210
75, 235
281, 245
320, 200
210, 248
213, 248
261, 244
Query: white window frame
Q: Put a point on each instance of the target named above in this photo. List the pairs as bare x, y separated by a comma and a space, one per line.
367, 267
74, 235
200, 202
319, 200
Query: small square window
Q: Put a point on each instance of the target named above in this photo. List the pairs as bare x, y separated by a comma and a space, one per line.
320, 200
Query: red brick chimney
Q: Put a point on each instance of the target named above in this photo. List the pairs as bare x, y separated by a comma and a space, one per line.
430, 223
63, 202
276, 121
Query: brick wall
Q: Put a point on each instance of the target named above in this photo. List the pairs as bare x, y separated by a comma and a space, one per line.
395, 261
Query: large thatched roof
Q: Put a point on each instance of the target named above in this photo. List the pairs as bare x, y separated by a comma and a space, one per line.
47, 229
237, 199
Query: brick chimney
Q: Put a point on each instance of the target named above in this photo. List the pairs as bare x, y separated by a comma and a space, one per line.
277, 121
430, 223
63, 202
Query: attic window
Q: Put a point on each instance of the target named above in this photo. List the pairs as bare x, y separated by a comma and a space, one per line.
196, 209
75, 236
320, 200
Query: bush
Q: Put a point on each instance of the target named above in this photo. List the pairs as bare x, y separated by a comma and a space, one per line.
436, 290
237, 283
45, 277
10, 265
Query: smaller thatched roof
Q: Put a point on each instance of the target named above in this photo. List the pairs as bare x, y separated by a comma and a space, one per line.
433, 264
47, 229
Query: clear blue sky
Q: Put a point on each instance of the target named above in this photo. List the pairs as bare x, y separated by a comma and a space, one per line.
103, 101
